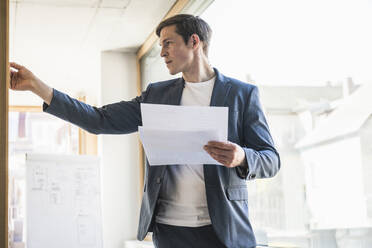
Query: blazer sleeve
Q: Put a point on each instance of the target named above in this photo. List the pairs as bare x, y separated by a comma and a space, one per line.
117, 118
261, 158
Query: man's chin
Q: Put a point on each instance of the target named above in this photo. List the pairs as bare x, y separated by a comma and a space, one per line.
172, 72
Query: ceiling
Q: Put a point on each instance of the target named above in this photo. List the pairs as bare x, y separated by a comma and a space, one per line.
103, 24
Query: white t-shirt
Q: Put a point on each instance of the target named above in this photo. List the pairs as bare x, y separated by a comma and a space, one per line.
182, 200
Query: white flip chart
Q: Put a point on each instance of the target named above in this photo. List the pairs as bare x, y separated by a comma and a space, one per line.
63, 201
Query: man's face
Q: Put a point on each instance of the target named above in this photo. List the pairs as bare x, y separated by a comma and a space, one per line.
177, 55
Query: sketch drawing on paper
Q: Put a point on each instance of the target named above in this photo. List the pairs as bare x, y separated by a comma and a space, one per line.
63, 197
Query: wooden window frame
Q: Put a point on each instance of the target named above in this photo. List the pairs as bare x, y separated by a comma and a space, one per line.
88, 143
4, 86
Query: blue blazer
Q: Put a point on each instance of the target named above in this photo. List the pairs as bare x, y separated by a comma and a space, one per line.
226, 188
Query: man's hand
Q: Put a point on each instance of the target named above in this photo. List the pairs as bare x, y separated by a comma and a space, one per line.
23, 79
227, 153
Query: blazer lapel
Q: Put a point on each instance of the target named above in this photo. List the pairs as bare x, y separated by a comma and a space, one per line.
175, 93
220, 91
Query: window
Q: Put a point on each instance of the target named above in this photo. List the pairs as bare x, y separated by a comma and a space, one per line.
310, 61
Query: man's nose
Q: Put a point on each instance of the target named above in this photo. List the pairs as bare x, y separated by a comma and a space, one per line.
163, 53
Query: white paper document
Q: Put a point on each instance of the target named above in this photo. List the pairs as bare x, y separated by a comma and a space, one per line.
176, 134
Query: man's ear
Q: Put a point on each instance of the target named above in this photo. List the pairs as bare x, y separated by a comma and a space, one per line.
194, 39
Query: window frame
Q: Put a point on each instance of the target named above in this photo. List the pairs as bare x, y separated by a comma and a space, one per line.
4, 96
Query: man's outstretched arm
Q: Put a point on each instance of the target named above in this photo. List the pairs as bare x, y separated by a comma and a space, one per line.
117, 118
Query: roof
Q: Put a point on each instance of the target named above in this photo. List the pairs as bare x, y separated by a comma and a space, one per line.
347, 118
286, 97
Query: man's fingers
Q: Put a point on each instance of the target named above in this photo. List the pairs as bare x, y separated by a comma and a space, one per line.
218, 158
230, 153
15, 65
219, 155
225, 160
12, 75
219, 151
222, 145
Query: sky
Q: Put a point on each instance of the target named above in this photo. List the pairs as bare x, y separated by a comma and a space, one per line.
292, 42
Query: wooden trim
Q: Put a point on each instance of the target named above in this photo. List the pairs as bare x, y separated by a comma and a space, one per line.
152, 38
139, 79
88, 143
91, 144
4, 102
20, 108
140, 147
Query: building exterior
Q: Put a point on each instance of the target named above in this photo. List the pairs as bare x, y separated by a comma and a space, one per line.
322, 194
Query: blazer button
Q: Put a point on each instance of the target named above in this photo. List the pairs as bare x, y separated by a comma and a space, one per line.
252, 176
158, 180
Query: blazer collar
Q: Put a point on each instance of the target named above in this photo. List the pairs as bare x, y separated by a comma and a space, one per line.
220, 91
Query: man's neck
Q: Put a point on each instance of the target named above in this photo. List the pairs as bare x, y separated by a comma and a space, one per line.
201, 72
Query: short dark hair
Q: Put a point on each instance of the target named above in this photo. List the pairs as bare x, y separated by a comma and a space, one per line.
187, 25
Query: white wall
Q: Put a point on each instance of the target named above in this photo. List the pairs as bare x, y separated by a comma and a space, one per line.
120, 162
66, 68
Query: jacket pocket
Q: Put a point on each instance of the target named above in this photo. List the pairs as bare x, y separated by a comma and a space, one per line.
237, 193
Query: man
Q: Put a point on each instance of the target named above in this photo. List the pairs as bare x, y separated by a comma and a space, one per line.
185, 205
